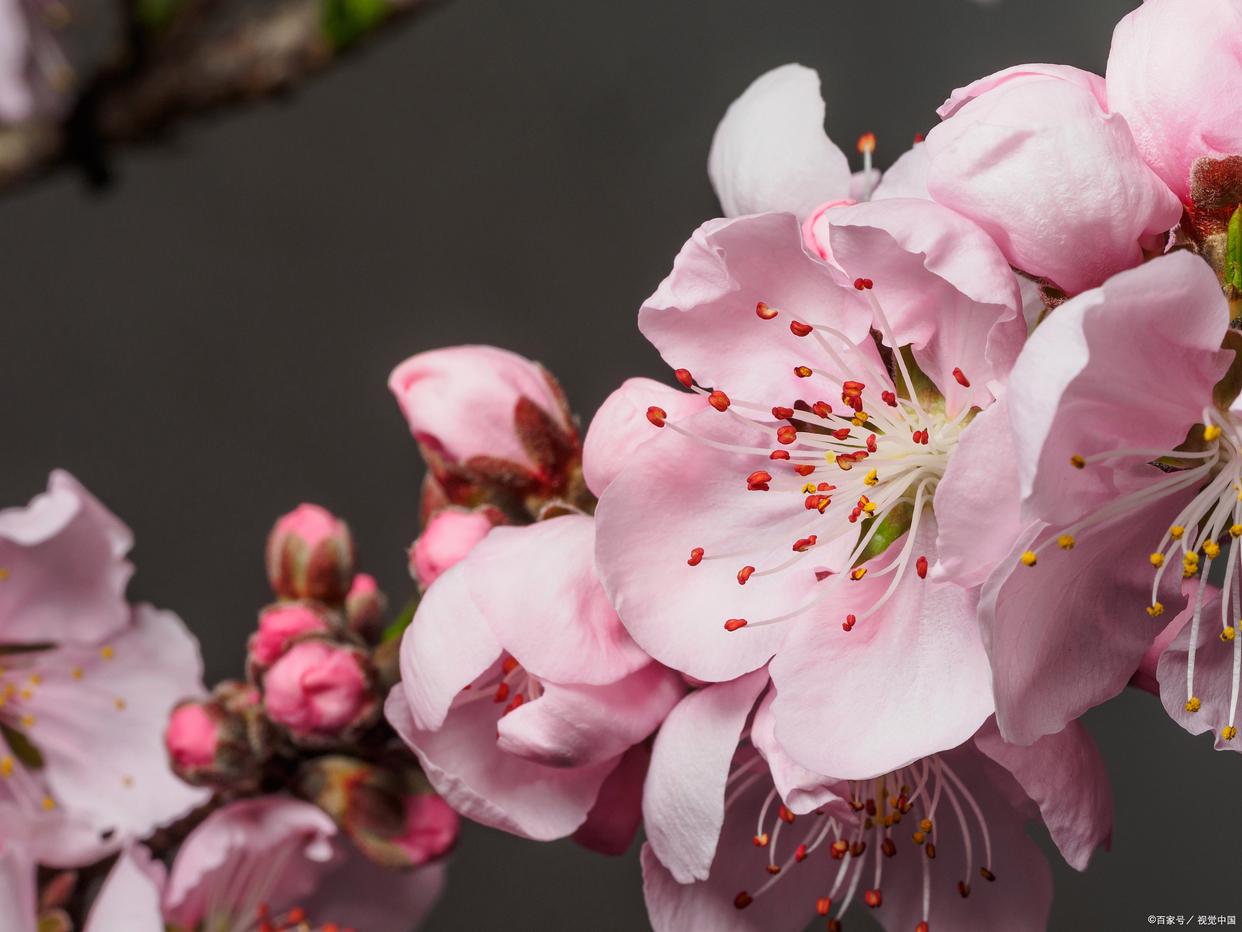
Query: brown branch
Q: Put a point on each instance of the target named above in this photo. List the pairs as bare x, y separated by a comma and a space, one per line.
214, 54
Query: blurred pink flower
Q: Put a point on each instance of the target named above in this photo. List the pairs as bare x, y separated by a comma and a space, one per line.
319, 690
447, 538
279, 625
192, 736
34, 71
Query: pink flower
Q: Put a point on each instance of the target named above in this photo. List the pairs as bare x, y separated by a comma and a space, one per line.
310, 555
34, 72
256, 858
192, 736
279, 625
319, 690
87, 699
365, 605
792, 516
479, 411
431, 828
742, 838
1110, 385
1173, 73
18, 892
520, 691
448, 537
1033, 155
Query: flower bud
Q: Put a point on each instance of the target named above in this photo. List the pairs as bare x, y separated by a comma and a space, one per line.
320, 691
446, 540
365, 606
279, 626
209, 741
310, 555
390, 813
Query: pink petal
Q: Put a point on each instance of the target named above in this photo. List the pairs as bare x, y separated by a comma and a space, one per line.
1032, 155
63, 570
702, 317
684, 799
573, 726
1173, 73
618, 811
1131, 364
677, 494
771, 153
802, 790
18, 892
101, 734
906, 177
1064, 774
445, 648
130, 897
482, 782
621, 426
539, 591
895, 663
356, 893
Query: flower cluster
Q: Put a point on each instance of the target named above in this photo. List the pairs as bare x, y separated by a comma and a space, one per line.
952, 455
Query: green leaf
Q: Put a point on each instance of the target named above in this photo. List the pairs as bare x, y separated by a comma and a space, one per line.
397, 626
346, 21
1233, 251
22, 748
154, 15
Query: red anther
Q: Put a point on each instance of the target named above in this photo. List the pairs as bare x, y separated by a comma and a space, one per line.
857, 848
787, 434
863, 284
296, 915
735, 624
987, 874
517, 701
920, 567
872, 443
718, 400
761, 840
782, 414
889, 847
774, 869
696, 557
804, 469
903, 803
779, 455
868, 284
889, 398
744, 574
823, 905
656, 415
963, 888
872, 898
825, 487
765, 312
508, 665
502, 692
855, 404
918, 137
786, 815
758, 480
803, 372
822, 408
852, 388
931, 851
841, 433
961, 378
870, 807
839, 849
848, 624
799, 329
800, 853
263, 911
804, 544
812, 501
834, 925
866, 142
684, 377
743, 899
855, 804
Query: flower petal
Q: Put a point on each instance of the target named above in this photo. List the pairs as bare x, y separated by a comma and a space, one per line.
801, 790
618, 811
130, 897
906, 177
356, 893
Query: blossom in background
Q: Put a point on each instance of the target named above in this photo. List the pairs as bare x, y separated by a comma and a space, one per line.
448, 537
86, 682
740, 837
35, 73
269, 860
793, 514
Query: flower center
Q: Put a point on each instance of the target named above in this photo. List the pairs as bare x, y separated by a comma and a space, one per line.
505, 682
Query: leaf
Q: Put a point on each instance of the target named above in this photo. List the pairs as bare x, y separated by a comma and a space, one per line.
346, 21
1233, 252
22, 747
397, 626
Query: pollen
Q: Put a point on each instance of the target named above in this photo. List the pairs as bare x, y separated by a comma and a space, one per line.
866, 143
1235, 530
1192, 704
48, 804
1227, 634
803, 372
106, 652
1156, 609
1029, 558
119, 703
6, 766
656, 415
858, 573
718, 400
1066, 541
4, 574
1176, 531
765, 312
1157, 559
1077, 461
872, 478
28, 720
761, 840
1211, 432
1229, 732
1211, 549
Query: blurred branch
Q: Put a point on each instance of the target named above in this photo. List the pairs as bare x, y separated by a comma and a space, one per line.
208, 54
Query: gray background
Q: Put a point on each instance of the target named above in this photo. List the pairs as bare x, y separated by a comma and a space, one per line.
207, 344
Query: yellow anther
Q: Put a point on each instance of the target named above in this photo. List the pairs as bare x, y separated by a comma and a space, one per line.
1176, 531
925, 825
127, 781
859, 419
35, 679
1235, 530
6, 766
1066, 541
858, 573
1157, 559
77, 673
119, 703
1156, 609
4, 574
919, 838
1229, 732
1190, 564
1211, 549
48, 804
808, 488
869, 508
28, 720
1077, 461
1028, 558
1211, 432
1227, 634
871, 478
830, 458
106, 652
26, 695
1192, 704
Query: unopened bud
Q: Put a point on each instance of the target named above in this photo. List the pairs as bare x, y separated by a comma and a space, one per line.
279, 626
310, 555
446, 540
210, 742
321, 692
365, 606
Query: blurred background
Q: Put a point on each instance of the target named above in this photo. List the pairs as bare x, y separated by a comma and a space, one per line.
206, 342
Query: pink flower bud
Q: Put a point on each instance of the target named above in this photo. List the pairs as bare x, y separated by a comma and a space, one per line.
310, 555
278, 626
365, 605
319, 690
192, 737
448, 537
430, 830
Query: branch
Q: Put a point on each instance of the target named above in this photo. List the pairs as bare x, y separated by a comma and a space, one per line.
212, 54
